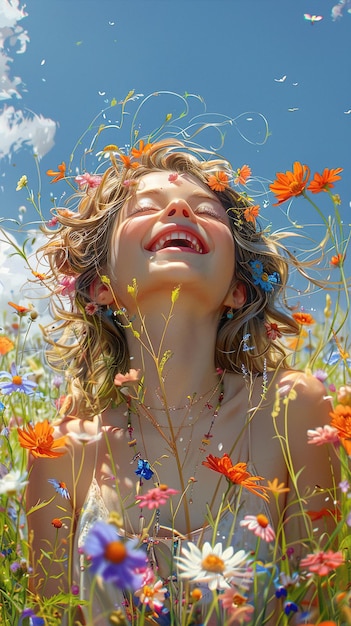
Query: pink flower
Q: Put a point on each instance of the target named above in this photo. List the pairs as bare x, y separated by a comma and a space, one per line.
259, 525
129, 378
154, 498
323, 434
236, 606
91, 308
92, 181
322, 563
130, 183
152, 596
173, 177
52, 222
67, 285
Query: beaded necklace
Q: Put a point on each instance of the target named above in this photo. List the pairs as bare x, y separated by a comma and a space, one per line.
144, 470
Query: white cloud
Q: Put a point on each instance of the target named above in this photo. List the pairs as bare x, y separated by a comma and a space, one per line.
18, 128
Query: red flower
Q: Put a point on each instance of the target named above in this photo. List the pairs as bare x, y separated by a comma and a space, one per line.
56, 522
236, 474
325, 181
58, 175
218, 181
322, 563
272, 330
290, 184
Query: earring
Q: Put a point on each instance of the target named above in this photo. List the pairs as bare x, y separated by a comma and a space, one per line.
230, 314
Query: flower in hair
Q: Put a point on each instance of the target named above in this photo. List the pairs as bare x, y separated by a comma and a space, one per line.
173, 177
143, 149
272, 330
218, 181
242, 174
91, 180
251, 213
261, 278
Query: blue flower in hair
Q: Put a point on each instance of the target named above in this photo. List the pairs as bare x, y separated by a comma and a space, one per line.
261, 278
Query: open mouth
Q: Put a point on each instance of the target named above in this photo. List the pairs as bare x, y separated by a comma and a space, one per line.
177, 239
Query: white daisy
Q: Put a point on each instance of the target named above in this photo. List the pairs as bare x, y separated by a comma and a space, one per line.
215, 566
13, 482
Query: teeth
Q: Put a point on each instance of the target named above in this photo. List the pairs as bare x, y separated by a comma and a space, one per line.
194, 242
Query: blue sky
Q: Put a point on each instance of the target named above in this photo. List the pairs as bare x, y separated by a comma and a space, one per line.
63, 61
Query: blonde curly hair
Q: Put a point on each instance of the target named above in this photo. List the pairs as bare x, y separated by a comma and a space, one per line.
92, 349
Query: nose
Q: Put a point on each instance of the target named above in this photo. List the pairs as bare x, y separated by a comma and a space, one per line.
179, 208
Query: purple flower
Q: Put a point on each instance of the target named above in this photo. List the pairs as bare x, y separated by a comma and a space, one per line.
33, 620
144, 470
16, 382
114, 559
60, 487
320, 375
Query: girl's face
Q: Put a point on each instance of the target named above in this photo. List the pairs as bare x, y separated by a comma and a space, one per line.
171, 231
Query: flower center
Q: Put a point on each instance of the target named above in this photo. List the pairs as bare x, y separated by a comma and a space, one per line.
264, 277
17, 380
148, 591
238, 599
262, 520
213, 563
115, 551
295, 187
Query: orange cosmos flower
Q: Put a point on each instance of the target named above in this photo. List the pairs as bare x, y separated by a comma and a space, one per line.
325, 181
242, 174
341, 420
127, 162
39, 440
251, 213
337, 260
6, 345
218, 181
236, 474
276, 487
58, 175
290, 184
143, 149
305, 319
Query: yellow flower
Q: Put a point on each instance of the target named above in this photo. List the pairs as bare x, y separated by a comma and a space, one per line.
276, 487
23, 182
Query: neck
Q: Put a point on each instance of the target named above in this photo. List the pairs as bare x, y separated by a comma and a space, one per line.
175, 353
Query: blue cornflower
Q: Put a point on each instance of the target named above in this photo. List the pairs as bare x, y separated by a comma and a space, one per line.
335, 357
16, 382
144, 470
114, 559
281, 592
60, 487
260, 277
33, 619
2, 406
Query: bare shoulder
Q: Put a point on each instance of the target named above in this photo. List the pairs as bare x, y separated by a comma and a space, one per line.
308, 398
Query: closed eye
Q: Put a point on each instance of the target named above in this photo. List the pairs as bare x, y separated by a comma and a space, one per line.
142, 209
207, 209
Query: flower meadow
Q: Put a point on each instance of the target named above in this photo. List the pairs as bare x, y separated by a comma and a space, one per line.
210, 582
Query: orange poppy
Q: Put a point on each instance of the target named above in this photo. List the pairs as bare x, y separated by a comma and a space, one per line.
21, 310
251, 213
58, 175
39, 440
341, 420
290, 184
6, 345
242, 174
337, 260
305, 319
325, 181
236, 474
143, 149
327, 623
218, 181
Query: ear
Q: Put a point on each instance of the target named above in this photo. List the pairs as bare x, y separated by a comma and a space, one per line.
236, 296
100, 293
